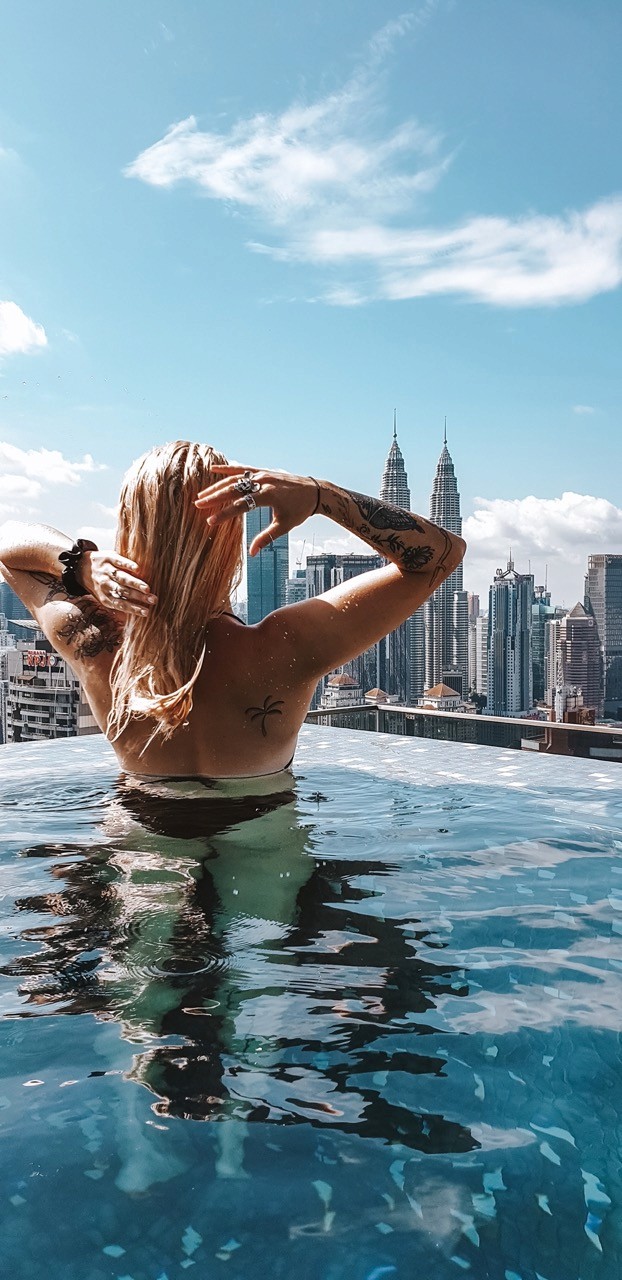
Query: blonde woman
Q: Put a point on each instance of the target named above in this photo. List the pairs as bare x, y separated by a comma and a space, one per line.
179, 685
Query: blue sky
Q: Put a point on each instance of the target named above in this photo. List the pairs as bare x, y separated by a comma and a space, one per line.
267, 225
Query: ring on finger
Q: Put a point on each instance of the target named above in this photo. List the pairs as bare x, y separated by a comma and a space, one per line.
250, 502
117, 591
246, 485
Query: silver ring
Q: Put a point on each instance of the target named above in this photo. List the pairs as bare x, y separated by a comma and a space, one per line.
250, 502
246, 485
116, 590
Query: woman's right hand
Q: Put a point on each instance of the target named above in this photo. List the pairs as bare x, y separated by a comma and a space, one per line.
292, 499
114, 582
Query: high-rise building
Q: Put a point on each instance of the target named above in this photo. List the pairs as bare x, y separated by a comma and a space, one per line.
13, 609
326, 571
266, 573
603, 600
394, 487
541, 612
552, 675
296, 587
477, 647
446, 626
9, 663
404, 647
473, 615
580, 658
510, 684
42, 695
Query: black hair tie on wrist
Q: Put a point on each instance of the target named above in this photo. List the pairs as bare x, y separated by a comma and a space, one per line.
71, 560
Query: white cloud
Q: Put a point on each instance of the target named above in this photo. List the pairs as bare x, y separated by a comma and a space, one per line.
18, 333
46, 465
26, 475
341, 189
526, 262
287, 167
583, 408
558, 532
103, 537
18, 487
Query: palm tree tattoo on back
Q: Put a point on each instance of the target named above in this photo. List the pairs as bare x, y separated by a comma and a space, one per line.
271, 707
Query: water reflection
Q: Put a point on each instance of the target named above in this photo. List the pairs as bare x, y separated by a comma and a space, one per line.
246, 966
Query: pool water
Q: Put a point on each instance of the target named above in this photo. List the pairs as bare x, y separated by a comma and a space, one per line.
365, 1024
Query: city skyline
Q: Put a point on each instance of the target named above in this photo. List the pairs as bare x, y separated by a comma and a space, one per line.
286, 221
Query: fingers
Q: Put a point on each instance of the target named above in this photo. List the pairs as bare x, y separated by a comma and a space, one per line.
121, 562
266, 536
231, 468
228, 512
124, 591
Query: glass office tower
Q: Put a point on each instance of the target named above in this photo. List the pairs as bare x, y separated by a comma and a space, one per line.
268, 571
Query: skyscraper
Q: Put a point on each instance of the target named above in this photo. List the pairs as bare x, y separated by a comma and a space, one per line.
12, 607
446, 625
267, 571
394, 487
603, 600
404, 648
510, 686
580, 659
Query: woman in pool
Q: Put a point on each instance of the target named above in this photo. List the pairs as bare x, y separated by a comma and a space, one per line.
178, 684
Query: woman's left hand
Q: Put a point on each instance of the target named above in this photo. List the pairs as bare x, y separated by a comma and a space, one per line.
113, 581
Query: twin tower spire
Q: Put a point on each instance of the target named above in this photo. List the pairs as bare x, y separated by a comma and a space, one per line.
445, 499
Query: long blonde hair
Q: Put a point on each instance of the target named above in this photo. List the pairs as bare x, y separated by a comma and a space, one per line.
192, 570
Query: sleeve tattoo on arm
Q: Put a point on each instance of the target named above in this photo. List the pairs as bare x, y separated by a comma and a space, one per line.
89, 629
382, 524
382, 515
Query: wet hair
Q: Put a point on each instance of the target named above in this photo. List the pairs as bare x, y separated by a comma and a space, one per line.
192, 570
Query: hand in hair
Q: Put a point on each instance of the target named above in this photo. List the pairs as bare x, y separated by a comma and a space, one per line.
113, 581
292, 499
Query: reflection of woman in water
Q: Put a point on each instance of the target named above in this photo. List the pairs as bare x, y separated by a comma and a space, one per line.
244, 969
181, 687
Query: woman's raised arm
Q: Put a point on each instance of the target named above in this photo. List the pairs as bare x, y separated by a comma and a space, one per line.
332, 628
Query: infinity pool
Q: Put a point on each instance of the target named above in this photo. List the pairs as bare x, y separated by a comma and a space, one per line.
363, 1025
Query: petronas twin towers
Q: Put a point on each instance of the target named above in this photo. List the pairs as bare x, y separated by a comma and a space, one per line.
432, 646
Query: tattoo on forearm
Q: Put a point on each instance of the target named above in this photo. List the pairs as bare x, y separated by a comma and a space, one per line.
271, 707
438, 571
56, 590
382, 515
381, 525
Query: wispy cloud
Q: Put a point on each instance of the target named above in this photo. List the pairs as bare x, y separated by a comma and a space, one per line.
583, 408
18, 333
527, 262
46, 465
333, 184
27, 474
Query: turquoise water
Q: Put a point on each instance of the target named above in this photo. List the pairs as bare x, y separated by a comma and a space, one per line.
355, 1029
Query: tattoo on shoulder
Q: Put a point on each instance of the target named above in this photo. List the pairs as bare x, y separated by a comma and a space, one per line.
271, 707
